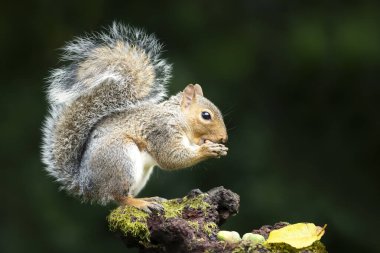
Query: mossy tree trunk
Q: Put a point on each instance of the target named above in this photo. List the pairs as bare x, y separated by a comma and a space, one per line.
191, 224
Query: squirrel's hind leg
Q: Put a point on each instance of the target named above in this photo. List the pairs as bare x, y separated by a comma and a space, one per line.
154, 199
148, 205
141, 170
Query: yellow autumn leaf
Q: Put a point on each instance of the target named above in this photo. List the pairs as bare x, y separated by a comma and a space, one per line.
298, 235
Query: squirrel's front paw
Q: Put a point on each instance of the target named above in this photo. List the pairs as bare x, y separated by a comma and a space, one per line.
211, 149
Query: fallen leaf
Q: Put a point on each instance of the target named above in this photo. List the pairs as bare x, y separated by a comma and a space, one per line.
298, 235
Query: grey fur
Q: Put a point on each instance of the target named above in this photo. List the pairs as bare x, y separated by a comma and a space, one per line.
64, 84
108, 126
81, 106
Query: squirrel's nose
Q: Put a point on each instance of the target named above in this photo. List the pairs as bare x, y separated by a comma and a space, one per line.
224, 139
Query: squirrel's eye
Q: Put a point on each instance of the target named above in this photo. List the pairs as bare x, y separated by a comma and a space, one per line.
206, 115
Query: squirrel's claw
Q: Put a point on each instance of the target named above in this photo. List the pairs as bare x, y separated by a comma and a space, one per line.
151, 207
154, 199
153, 204
154, 207
148, 205
212, 149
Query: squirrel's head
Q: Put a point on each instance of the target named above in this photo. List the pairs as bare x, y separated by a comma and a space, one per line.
204, 118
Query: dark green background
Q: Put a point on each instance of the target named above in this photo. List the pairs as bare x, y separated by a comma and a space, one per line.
299, 83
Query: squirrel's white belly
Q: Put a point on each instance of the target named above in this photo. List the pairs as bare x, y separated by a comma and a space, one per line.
144, 168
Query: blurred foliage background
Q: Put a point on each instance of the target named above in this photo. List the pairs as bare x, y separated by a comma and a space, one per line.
298, 82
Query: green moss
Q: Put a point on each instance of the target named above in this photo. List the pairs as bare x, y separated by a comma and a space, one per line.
173, 208
316, 247
239, 249
245, 247
194, 224
209, 228
131, 222
197, 202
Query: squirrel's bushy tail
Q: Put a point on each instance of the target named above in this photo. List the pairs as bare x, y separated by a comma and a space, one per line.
106, 73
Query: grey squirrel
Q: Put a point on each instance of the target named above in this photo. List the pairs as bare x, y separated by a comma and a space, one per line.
109, 124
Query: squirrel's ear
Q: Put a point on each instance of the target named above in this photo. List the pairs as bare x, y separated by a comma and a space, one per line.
188, 95
198, 90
